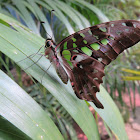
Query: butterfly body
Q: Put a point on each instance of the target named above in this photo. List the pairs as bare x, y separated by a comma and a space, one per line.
52, 56
86, 53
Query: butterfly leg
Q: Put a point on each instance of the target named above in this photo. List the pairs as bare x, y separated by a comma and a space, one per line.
33, 63
32, 55
45, 73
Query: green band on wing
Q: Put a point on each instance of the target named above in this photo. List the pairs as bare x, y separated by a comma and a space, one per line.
97, 37
85, 41
104, 41
75, 51
66, 54
103, 29
95, 46
87, 51
74, 39
111, 37
65, 46
81, 34
74, 45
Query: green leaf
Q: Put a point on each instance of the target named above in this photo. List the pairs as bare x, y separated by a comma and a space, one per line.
111, 115
41, 16
69, 12
60, 15
27, 16
93, 8
131, 71
10, 132
130, 78
22, 111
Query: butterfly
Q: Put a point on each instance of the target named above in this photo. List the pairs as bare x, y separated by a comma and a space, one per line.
86, 53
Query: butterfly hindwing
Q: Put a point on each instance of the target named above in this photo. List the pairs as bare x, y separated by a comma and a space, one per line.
85, 77
87, 52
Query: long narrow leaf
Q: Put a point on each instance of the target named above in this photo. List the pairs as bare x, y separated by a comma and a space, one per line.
60, 15
28, 19
93, 8
41, 16
22, 111
130, 78
111, 115
69, 12
10, 132
131, 71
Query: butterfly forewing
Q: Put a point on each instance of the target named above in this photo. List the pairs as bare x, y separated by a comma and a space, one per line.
87, 52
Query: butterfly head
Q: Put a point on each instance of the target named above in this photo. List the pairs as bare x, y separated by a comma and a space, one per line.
49, 43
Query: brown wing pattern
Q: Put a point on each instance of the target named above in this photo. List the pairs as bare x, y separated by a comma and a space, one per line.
88, 51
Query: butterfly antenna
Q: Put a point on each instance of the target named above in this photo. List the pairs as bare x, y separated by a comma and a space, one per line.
46, 31
52, 23
52, 37
45, 73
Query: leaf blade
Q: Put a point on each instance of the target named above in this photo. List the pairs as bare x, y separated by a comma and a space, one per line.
24, 112
110, 114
